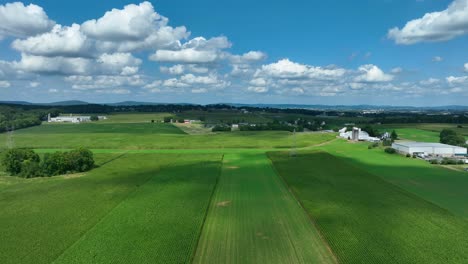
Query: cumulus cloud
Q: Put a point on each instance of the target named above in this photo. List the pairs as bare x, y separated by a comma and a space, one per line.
134, 23
372, 73
53, 65
60, 41
452, 80
189, 82
111, 64
103, 82
133, 28
19, 20
196, 51
287, 69
257, 89
436, 26
466, 67
249, 57
118, 63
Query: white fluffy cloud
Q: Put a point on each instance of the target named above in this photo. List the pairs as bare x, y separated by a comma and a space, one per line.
60, 41
287, 69
111, 64
19, 20
118, 63
249, 57
466, 67
372, 73
196, 51
133, 28
100, 82
190, 82
435, 26
53, 65
452, 80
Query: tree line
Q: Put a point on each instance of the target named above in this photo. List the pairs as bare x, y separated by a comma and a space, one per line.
27, 164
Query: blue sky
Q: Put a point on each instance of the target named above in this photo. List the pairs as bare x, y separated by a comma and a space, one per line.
406, 52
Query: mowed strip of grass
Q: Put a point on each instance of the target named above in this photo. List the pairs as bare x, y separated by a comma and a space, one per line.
158, 223
253, 218
98, 127
368, 220
121, 140
41, 218
444, 187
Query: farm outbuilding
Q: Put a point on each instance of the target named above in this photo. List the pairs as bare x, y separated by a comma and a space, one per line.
357, 135
427, 148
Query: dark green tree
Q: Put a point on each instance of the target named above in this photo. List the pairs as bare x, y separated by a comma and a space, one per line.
394, 135
14, 159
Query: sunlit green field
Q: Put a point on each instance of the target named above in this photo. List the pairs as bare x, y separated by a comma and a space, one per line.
423, 132
182, 194
441, 186
253, 218
153, 136
143, 208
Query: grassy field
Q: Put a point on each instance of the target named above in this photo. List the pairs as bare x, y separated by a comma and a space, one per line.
155, 136
368, 220
441, 186
254, 219
144, 207
434, 127
135, 117
107, 128
415, 134
423, 132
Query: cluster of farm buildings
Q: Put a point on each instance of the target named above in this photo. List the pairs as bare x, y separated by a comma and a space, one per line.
72, 119
424, 150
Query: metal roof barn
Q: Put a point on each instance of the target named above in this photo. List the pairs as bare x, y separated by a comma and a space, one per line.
427, 148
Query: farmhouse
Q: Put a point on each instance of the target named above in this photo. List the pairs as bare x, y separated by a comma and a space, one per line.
426, 148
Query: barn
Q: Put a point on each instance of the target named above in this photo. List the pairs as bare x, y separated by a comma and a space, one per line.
427, 148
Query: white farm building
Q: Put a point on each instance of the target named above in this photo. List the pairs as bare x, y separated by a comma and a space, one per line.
432, 149
72, 119
357, 135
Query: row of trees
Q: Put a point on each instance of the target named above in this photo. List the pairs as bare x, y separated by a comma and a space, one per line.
27, 164
12, 118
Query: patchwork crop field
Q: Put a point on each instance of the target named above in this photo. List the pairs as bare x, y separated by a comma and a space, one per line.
182, 194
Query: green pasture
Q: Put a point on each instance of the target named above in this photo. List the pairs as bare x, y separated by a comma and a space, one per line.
365, 219
97, 128
153, 136
254, 219
135, 117
434, 127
